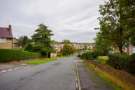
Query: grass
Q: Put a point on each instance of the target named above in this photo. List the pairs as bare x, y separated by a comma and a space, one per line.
40, 61
118, 79
102, 59
103, 76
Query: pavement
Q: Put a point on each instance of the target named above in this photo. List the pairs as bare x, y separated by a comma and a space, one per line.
57, 75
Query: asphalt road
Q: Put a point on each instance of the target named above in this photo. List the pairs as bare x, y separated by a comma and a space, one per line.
58, 75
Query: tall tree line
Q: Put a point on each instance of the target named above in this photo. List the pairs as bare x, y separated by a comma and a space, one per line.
117, 24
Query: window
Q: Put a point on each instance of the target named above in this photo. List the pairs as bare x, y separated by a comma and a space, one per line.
2, 40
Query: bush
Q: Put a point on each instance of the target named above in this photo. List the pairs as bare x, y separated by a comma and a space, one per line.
45, 52
88, 56
131, 65
33, 48
118, 61
67, 50
7, 55
29, 47
102, 59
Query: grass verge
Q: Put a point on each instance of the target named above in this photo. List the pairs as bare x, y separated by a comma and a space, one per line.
40, 61
120, 80
102, 75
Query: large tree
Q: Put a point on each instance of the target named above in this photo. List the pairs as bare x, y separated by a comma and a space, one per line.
112, 24
128, 17
42, 36
42, 39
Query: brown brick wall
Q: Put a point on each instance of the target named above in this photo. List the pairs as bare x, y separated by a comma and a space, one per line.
7, 45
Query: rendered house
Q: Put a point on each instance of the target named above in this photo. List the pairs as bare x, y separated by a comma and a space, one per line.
6, 38
131, 49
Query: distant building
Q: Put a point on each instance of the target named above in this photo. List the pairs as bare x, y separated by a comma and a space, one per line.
131, 49
6, 38
59, 45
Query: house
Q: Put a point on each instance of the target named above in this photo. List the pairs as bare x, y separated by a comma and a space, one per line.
59, 45
6, 38
131, 49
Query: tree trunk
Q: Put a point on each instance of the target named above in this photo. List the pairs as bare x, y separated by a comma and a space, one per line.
120, 49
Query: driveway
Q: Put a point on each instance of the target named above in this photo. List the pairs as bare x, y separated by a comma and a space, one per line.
58, 75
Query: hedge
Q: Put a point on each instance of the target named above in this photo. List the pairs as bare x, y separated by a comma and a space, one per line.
88, 56
119, 61
131, 65
7, 55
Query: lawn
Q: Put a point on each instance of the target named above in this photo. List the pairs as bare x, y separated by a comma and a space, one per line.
40, 61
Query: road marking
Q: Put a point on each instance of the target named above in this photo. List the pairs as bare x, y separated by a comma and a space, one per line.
4, 71
12, 69
77, 78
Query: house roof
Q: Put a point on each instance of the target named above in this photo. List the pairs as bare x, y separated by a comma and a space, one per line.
6, 32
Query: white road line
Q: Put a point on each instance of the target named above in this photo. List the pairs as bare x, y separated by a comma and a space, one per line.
77, 78
4, 71
11, 69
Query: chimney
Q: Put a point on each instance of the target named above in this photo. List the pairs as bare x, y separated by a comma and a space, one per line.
10, 30
10, 27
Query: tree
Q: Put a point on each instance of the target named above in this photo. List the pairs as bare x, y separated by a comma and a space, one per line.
42, 39
42, 36
128, 9
67, 49
66, 42
112, 25
103, 45
23, 41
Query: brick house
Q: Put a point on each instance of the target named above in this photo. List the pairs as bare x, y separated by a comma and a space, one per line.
6, 38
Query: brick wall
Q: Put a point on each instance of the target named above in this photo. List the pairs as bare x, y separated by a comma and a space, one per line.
8, 44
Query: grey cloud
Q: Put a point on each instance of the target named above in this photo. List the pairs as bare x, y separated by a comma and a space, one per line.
69, 19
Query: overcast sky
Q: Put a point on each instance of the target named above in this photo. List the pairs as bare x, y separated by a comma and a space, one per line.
68, 19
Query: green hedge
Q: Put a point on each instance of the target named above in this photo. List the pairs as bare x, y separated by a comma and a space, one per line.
119, 61
7, 55
131, 65
88, 56
123, 61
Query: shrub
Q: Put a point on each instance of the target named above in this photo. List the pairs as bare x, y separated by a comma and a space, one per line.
45, 52
118, 61
29, 47
131, 65
102, 59
7, 55
88, 56
67, 50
